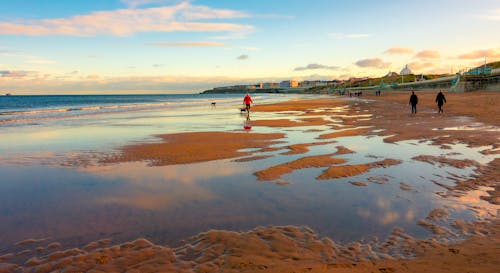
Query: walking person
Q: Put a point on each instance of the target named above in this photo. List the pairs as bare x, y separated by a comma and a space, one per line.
413, 102
440, 99
247, 100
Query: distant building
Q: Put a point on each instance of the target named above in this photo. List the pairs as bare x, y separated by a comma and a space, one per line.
308, 84
269, 85
333, 82
289, 84
482, 70
405, 71
391, 74
222, 88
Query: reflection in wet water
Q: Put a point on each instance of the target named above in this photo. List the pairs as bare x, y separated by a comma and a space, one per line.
169, 203
475, 127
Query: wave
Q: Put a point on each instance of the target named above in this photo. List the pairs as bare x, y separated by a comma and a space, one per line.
175, 103
32, 115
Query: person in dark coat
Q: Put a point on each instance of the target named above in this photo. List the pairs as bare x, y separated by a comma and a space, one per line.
413, 102
440, 99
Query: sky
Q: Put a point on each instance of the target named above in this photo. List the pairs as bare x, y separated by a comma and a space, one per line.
182, 46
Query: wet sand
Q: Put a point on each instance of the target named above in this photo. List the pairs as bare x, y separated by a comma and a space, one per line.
187, 148
265, 249
299, 249
482, 106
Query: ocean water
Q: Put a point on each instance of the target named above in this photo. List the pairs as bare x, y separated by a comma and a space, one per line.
37, 125
43, 195
19, 110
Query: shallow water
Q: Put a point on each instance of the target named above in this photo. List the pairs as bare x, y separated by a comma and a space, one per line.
39, 198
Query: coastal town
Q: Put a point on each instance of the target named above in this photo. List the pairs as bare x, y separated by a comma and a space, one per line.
482, 77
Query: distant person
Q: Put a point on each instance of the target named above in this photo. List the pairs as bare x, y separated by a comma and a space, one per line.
413, 102
440, 99
247, 100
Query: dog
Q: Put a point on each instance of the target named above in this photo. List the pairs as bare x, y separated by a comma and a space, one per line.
213, 104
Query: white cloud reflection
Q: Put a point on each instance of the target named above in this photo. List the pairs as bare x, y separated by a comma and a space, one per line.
162, 187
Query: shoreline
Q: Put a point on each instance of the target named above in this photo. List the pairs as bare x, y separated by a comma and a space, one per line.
389, 119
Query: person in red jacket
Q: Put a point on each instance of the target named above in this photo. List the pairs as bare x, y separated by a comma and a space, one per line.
247, 100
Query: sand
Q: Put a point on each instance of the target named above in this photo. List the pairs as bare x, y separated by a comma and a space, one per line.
186, 148
304, 147
299, 249
444, 161
307, 106
272, 250
392, 113
352, 170
275, 172
482, 106
290, 123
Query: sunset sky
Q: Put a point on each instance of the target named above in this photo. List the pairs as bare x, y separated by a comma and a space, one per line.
165, 46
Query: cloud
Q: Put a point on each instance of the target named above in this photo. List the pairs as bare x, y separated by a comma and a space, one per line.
493, 16
84, 83
399, 50
428, 54
388, 218
206, 13
14, 73
242, 57
376, 62
230, 36
7, 52
421, 65
188, 44
39, 61
137, 3
315, 66
27, 58
348, 36
481, 53
125, 22
202, 44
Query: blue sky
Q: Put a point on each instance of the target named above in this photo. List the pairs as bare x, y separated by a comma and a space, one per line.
133, 46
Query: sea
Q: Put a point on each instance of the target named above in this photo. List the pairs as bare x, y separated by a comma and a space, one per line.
26, 110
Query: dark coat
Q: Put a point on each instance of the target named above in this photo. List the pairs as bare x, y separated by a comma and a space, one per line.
413, 99
440, 98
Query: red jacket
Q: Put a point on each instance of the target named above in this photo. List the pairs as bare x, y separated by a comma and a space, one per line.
247, 99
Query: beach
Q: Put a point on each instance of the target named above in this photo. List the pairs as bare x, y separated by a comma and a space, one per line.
318, 184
